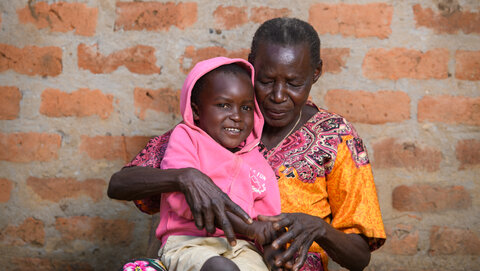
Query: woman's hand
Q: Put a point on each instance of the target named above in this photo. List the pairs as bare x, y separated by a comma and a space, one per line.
303, 230
271, 256
349, 250
209, 203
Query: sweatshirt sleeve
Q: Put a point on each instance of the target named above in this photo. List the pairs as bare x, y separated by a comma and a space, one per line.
181, 153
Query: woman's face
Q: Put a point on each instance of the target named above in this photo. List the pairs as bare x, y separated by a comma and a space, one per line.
283, 78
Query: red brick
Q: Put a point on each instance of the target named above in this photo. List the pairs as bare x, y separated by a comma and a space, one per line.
61, 17
468, 152
154, 15
334, 59
80, 103
453, 241
95, 229
45, 264
368, 20
31, 60
389, 153
467, 65
401, 240
113, 147
429, 198
6, 187
449, 20
9, 102
56, 189
262, 14
138, 59
192, 56
160, 100
367, 107
449, 109
230, 17
31, 231
405, 63
27, 147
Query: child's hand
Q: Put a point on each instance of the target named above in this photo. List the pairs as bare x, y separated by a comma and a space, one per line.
262, 232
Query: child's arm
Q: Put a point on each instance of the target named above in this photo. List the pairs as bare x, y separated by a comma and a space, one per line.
262, 232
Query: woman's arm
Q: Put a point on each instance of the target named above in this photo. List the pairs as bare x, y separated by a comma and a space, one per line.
207, 202
135, 183
349, 250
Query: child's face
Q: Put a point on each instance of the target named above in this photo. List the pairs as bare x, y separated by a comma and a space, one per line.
225, 108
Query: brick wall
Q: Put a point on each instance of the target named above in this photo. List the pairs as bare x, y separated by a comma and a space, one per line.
84, 84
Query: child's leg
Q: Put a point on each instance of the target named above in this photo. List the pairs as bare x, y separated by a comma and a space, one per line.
246, 257
219, 263
191, 252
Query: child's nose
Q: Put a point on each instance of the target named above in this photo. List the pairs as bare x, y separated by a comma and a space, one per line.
235, 115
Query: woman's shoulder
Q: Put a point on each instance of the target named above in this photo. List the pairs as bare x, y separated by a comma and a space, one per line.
152, 154
324, 121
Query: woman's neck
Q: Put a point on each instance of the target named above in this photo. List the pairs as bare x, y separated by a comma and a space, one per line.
272, 136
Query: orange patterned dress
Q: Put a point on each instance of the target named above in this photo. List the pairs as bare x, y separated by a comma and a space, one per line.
322, 170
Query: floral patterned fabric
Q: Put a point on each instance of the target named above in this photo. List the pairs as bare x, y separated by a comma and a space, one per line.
322, 170
143, 264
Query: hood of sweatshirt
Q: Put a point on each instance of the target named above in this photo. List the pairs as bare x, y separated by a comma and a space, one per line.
200, 69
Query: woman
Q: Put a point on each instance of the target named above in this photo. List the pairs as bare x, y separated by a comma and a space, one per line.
329, 202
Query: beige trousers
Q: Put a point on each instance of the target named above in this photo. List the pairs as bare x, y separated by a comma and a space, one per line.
189, 253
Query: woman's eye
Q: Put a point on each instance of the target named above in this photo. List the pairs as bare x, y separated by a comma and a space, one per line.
246, 108
265, 82
295, 84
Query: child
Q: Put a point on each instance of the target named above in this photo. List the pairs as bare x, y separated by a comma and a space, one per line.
219, 135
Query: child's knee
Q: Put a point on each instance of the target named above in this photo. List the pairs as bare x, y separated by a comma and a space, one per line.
219, 263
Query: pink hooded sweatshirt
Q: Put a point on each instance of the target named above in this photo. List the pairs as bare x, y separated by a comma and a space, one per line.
244, 175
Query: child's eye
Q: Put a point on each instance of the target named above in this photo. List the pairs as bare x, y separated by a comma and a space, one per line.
246, 107
222, 105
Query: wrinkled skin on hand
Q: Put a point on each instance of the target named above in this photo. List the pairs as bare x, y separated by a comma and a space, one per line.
262, 232
209, 203
303, 230
271, 256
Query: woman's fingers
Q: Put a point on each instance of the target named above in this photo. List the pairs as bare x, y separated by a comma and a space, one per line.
267, 218
196, 212
302, 257
209, 204
237, 210
223, 222
209, 218
285, 237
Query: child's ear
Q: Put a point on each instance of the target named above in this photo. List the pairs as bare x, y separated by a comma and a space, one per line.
196, 116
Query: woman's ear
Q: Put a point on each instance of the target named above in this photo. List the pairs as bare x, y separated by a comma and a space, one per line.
318, 71
196, 116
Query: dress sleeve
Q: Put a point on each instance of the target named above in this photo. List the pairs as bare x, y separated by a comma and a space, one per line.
151, 156
352, 193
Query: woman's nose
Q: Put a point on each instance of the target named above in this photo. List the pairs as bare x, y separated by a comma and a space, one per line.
278, 94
